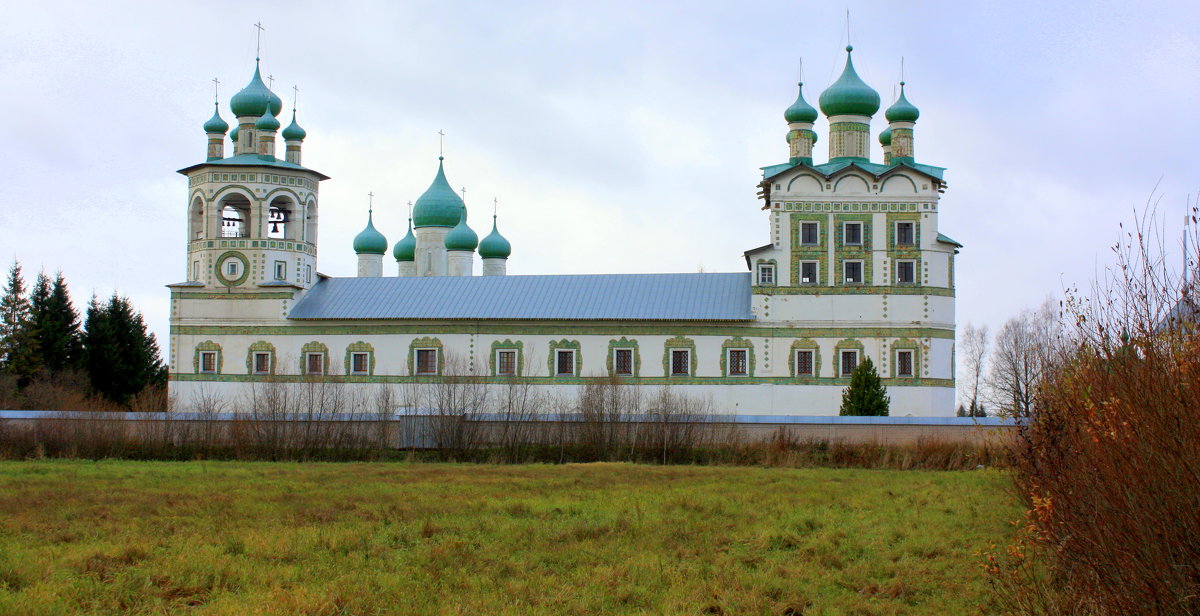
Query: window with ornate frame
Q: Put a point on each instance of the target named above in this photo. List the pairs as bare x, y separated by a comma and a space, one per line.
681, 362
426, 361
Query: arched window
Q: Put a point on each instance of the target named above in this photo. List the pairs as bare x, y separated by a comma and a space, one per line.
235, 216
310, 223
279, 219
196, 228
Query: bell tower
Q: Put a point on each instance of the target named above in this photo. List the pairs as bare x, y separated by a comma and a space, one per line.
252, 217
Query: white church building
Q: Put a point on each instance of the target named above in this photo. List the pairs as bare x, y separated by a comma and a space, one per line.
854, 267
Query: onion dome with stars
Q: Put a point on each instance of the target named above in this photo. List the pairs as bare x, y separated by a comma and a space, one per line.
494, 246
370, 241
255, 99
849, 95
461, 237
439, 206
902, 110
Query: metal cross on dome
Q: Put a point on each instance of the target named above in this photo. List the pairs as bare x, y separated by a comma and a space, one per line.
216, 90
258, 40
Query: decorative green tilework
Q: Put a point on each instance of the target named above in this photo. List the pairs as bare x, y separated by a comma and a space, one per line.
207, 345
361, 347
805, 344
624, 343
737, 343
565, 344
314, 347
261, 346
679, 342
547, 380
508, 344
232, 254
846, 345
905, 344
857, 127
809, 252
424, 343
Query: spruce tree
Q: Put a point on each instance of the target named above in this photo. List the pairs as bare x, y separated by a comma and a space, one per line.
57, 325
18, 340
865, 395
121, 357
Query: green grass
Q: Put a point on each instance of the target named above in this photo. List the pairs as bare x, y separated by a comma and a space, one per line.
276, 538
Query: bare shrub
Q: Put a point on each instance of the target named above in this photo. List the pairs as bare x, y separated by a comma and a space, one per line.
1107, 461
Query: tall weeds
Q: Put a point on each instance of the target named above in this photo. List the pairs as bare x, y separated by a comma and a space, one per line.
1108, 462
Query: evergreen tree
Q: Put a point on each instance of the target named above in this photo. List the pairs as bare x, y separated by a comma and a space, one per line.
57, 325
865, 395
121, 357
18, 340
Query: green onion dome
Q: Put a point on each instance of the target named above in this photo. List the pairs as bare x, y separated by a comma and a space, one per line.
233, 134
461, 237
440, 206
902, 110
494, 246
406, 248
215, 124
266, 122
255, 98
885, 138
370, 241
800, 111
293, 132
849, 95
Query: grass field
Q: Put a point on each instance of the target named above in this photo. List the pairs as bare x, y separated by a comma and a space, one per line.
271, 538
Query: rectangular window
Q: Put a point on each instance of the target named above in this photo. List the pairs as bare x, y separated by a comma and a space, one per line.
804, 363
262, 363
906, 272
809, 233
208, 362
195, 270
427, 361
315, 363
766, 274
623, 362
849, 362
853, 271
904, 363
231, 269
506, 363
681, 362
737, 362
307, 273
280, 270
905, 234
852, 234
360, 363
564, 362
808, 272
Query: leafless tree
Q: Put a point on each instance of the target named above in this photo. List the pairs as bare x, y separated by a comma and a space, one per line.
974, 353
1023, 349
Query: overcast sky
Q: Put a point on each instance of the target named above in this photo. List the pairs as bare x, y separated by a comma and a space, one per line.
618, 136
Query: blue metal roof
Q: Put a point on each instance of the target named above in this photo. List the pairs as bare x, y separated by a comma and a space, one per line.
651, 297
832, 167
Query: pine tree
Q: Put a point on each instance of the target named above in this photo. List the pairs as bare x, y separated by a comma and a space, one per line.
57, 325
865, 395
121, 357
18, 340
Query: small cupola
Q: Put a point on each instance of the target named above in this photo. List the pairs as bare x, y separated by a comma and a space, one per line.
406, 249
494, 246
215, 128
370, 241
461, 237
902, 119
293, 132
801, 137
